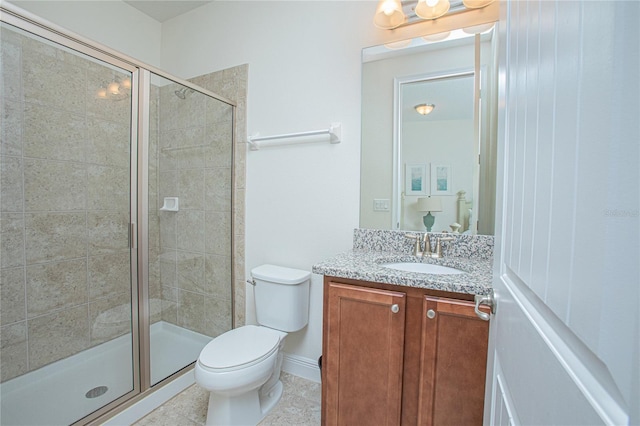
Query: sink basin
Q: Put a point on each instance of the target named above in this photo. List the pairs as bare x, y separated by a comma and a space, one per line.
423, 268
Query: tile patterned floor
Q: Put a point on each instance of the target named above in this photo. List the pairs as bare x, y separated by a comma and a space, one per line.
300, 406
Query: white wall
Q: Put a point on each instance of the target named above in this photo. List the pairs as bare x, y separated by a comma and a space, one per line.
304, 73
114, 24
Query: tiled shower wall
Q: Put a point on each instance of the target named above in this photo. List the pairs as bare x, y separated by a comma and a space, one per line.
64, 204
190, 158
232, 84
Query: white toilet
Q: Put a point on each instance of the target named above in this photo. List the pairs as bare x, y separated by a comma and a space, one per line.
241, 368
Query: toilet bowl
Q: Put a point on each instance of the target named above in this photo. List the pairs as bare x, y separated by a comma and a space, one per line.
241, 368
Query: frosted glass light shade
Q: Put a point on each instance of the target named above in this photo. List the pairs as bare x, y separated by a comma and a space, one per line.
389, 15
476, 4
425, 11
424, 109
429, 204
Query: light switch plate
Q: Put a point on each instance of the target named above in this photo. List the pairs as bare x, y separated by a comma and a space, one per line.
381, 205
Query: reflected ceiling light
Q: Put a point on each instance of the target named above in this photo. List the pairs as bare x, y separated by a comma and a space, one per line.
113, 88
116, 89
389, 15
424, 109
436, 37
398, 44
476, 4
432, 9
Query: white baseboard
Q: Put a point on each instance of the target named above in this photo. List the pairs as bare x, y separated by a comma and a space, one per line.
302, 367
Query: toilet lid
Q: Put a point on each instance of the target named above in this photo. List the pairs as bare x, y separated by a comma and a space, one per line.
240, 346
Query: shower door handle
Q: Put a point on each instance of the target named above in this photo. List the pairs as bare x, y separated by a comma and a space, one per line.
132, 236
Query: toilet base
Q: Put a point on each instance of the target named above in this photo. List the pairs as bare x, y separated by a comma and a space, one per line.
242, 410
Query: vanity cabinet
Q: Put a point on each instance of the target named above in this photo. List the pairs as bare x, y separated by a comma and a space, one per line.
396, 355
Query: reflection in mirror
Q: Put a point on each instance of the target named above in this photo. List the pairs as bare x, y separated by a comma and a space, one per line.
445, 158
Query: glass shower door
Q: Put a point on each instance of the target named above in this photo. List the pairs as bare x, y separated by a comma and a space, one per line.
190, 229
66, 263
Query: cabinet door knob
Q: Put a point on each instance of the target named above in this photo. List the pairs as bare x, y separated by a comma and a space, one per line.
395, 308
431, 314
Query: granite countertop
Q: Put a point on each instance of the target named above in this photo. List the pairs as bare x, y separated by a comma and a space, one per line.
365, 265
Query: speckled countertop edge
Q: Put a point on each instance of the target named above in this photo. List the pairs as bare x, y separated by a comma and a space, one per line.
365, 265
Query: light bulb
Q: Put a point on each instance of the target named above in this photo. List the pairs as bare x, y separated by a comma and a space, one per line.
113, 88
126, 83
102, 93
432, 3
388, 8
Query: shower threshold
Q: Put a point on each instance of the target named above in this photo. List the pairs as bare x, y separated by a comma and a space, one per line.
57, 393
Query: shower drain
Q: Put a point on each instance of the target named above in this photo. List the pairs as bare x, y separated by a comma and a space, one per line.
96, 392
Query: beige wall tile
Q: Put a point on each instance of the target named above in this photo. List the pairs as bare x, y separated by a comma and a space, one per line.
109, 274
13, 345
110, 317
107, 232
55, 236
46, 81
217, 189
191, 271
218, 277
11, 129
170, 304
218, 140
168, 268
54, 185
56, 285
12, 299
108, 143
193, 150
58, 335
218, 231
168, 229
12, 239
108, 188
218, 316
191, 189
54, 134
192, 312
11, 64
11, 169
189, 233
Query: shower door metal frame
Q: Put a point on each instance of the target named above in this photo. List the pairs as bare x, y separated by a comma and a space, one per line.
139, 202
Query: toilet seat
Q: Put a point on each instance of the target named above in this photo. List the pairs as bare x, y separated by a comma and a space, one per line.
240, 348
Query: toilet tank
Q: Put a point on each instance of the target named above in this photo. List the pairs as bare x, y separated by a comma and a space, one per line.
282, 297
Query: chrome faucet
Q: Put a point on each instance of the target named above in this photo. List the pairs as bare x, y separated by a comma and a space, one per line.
422, 247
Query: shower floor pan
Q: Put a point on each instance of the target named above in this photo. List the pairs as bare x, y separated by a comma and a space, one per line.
64, 391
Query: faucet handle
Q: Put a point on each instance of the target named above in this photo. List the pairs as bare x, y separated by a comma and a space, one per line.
439, 240
417, 248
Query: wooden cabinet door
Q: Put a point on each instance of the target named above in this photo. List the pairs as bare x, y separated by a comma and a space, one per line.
363, 355
453, 363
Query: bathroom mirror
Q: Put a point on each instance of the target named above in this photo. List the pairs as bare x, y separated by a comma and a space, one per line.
447, 154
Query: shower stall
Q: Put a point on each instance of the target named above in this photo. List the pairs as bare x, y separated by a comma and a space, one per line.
116, 201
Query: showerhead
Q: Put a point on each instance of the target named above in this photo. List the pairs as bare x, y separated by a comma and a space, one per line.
182, 93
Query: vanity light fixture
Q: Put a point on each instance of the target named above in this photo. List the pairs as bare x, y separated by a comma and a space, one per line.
389, 15
429, 204
424, 109
432, 9
476, 4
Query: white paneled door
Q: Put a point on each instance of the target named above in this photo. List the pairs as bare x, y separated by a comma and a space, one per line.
564, 342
